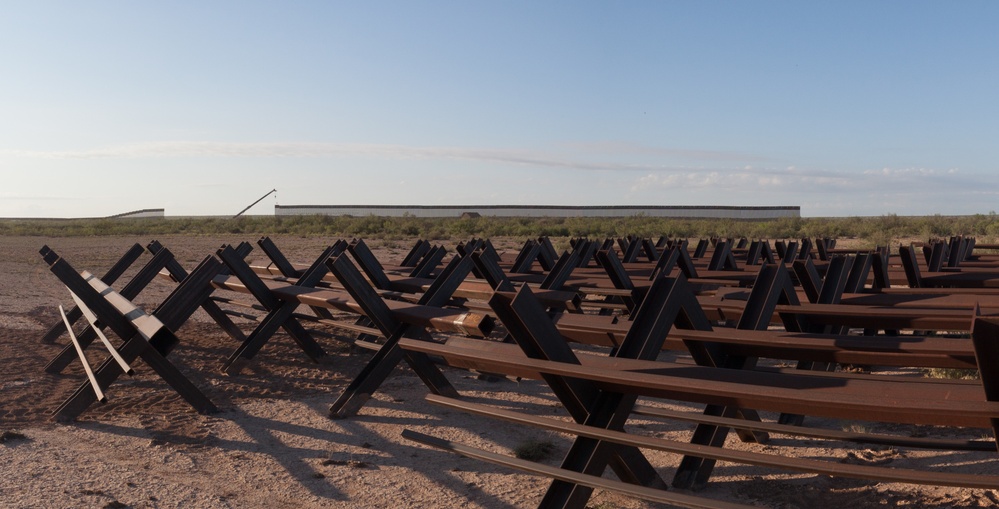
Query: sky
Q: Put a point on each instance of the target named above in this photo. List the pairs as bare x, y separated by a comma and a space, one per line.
842, 108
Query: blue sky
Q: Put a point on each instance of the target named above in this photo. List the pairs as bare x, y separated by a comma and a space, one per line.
843, 108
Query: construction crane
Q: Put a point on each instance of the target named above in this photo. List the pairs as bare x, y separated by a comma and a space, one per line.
272, 191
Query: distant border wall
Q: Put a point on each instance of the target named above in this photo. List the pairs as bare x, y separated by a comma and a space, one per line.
680, 211
143, 213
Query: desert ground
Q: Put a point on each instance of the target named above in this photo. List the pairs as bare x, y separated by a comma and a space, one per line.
272, 445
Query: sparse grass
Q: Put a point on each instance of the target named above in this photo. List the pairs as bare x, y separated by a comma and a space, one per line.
855, 427
535, 449
953, 374
602, 505
872, 231
352, 463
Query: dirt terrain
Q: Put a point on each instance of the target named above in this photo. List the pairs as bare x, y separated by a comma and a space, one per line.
272, 445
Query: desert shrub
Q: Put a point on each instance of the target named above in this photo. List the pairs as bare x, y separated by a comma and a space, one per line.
953, 373
535, 449
936, 226
882, 230
823, 228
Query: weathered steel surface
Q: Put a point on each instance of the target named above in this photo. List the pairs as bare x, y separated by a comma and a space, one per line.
148, 336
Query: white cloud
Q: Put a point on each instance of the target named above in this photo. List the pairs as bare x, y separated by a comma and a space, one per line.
611, 153
649, 174
743, 180
621, 147
910, 172
770, 181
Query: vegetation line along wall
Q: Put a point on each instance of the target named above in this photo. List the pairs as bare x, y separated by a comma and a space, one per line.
882, 230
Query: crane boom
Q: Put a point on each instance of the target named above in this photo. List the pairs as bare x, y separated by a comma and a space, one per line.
272, 191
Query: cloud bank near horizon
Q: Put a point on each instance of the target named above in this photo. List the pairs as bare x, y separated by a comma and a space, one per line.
632, 172
685, 167
552, 158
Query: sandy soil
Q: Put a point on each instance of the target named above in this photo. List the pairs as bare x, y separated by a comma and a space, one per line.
273, 446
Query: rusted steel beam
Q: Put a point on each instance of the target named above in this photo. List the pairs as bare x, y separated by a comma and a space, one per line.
443, 320
858, 316
131, 290
112, 275
532, 329
175, 272
148, 336
429, 263
469, 289
389, 354
366, 260
835, 395
547, 255
526, 257
753, 458
722, 258
591, 481
773, 287
420, 248
869, 398
279, 313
